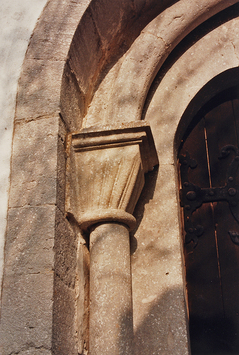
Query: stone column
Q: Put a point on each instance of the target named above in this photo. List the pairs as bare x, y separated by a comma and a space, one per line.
105, 171
111, 319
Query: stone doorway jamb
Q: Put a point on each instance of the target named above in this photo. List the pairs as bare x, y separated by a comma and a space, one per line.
105, 176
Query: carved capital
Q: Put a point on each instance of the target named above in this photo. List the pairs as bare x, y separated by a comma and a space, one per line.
105, 172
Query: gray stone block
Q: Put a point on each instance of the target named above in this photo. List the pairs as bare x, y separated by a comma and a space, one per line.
26, 317
30, 241
34, 163
52, 36
64, 330
65, 248
72, 100
39, 89
110, 23
85, 55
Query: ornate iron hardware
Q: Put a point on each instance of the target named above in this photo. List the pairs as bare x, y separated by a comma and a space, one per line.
193, 196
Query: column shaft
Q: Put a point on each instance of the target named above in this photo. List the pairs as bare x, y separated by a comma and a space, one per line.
111, 321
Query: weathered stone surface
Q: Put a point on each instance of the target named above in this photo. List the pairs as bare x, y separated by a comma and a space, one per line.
159, 306
34, 163
168, 28
185, 78
119, 157
64, 341
111, 323
140, 4
35, 351
128, 93
53, 33
39, 89
156, 262
82, 296
72, 101
65, 247
17, 22
26, 316
61, 166
27, 299
30, 240
110, 23
71, 289
85, 63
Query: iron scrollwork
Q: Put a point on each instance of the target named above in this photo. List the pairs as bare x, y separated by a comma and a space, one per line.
192, 196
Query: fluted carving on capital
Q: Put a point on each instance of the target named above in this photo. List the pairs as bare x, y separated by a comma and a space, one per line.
105, 172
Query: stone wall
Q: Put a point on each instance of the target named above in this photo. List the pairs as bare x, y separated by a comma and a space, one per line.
18, 20
91, 64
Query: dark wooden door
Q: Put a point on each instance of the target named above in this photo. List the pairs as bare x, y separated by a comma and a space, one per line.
212, 258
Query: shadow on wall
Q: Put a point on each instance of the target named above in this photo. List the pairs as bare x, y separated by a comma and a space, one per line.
145, 197
162, 331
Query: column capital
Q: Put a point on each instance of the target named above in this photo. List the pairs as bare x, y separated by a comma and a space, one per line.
105, 172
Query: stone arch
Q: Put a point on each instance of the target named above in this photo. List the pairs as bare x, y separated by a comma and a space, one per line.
58, 90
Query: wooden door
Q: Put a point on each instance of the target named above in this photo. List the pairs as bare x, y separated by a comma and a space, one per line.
212, 256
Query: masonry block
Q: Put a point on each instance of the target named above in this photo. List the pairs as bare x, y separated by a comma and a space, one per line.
39, 89
53, 34
26, 319
34, 163
86, 53
72, 100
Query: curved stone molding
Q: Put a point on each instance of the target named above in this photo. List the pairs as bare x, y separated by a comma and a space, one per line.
132, 79
106, 167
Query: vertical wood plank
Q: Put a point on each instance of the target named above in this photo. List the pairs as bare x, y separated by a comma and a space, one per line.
220, 124
202, 277
212, 268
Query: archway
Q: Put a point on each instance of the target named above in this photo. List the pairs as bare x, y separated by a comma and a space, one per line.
52, 242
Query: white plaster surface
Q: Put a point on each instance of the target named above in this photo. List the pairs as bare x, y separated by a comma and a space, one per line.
18, 19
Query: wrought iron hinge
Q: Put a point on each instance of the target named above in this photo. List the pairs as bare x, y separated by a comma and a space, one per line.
193, 196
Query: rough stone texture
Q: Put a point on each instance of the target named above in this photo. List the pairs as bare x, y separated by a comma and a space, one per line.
159, 307
72, 101
82, 296
166, 31
119, 157
111, 318
117, 18
184, 80
70, 310
64, 339
126, 93
40, 81
159, 316
61, 167
30, 295
65, 248
35, 351
84, 63
17, 19
110, 28
34, 163
27, 298
30, 240
39, 89
57, 28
